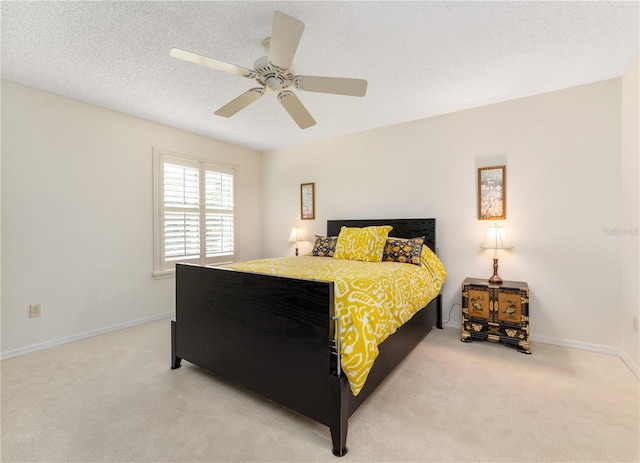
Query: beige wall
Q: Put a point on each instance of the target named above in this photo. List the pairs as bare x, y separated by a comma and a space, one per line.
562, 151
629, 238
77, 216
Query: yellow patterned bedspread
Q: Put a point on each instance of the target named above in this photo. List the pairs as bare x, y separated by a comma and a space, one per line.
371, 299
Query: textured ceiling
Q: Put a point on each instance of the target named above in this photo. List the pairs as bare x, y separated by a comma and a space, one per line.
420, 58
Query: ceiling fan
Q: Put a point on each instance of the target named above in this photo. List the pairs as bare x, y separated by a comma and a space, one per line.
274, 72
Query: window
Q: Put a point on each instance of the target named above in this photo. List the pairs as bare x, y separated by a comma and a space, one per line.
193, 212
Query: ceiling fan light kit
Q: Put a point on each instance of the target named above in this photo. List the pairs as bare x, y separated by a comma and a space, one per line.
274, 73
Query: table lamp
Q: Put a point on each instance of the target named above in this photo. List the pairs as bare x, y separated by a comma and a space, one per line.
296, 235
496, 239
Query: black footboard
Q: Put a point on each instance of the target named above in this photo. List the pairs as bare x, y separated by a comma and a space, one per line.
269, 334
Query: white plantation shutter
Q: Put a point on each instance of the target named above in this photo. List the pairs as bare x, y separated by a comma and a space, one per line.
181, 218
194, 213
181, 236
219, 213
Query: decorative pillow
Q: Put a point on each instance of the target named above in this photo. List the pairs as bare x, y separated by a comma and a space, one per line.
365, 244
325, 246
403, 250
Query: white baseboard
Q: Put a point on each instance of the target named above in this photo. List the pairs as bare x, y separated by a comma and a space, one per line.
79, 337
618, 352
452, 324
586, 346
599, 348
630, 363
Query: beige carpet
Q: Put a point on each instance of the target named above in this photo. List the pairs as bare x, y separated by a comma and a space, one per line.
113, 398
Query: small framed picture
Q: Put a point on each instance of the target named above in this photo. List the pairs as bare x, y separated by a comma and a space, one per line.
492, 193
307, 201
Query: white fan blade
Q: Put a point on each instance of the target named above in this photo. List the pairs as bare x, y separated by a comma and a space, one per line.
210, 62
239, 103
295, 109
285, 36
336, 85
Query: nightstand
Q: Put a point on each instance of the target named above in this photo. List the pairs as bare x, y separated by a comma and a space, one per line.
498, 313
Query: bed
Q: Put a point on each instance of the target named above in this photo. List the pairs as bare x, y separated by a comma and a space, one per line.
257, 329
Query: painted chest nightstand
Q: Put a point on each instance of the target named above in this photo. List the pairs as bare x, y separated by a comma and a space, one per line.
498, 313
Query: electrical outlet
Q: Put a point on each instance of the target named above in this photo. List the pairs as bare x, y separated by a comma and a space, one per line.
35, 310
635, 325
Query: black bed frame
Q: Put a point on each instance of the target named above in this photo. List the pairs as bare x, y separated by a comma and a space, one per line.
274, 335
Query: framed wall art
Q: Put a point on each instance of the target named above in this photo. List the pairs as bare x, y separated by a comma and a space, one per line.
492, 193
307, 201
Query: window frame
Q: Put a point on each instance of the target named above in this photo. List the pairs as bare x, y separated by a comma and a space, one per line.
166, 269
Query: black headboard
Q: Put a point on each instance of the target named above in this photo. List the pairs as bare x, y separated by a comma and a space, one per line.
402, 228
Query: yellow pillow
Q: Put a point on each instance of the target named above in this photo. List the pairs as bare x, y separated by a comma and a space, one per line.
365, 244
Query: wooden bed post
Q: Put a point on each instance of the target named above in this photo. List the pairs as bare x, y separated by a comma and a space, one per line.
175, 360
339, 413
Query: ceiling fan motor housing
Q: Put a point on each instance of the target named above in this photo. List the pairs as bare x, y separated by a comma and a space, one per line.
270, 76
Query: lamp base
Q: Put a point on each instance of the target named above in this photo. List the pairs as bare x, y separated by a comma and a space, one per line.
495, 278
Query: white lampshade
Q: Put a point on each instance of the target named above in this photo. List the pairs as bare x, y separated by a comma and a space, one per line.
296, 234
496, 239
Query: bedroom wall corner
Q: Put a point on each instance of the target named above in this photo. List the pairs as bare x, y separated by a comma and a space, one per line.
77, 218
630, 223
